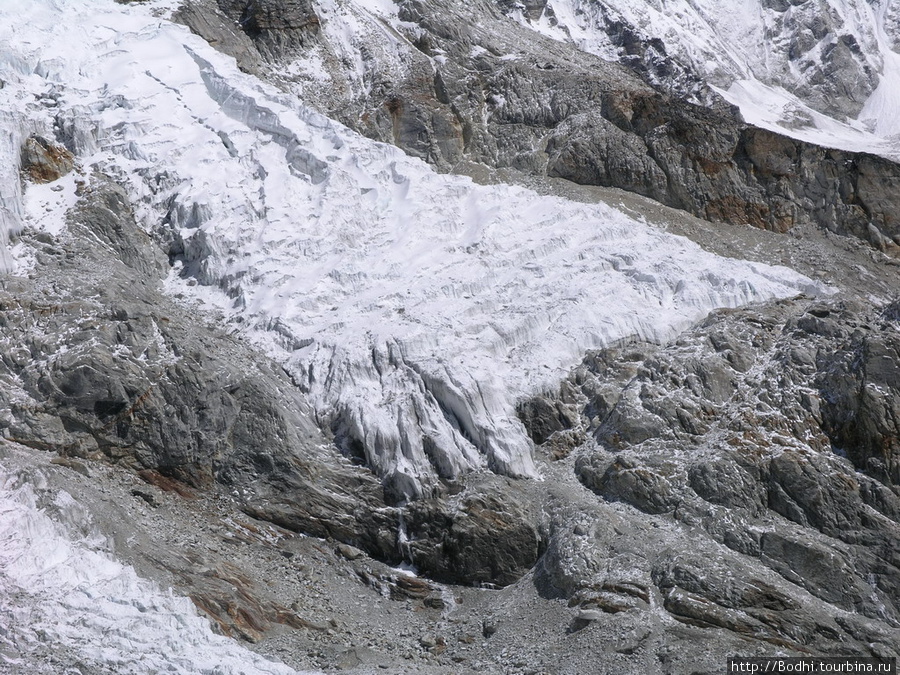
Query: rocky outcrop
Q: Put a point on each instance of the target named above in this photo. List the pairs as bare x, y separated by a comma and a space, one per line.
43, 161
486, 535
222, 31
770, 430
278, 28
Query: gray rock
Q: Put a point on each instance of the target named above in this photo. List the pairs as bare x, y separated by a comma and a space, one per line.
588, 615
204, 18
279, 28
746, 409
486, 535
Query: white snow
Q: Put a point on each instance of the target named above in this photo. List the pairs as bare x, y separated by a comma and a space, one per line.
63, 591
46, 204
414, 308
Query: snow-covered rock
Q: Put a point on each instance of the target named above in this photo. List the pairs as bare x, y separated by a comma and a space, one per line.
823, 71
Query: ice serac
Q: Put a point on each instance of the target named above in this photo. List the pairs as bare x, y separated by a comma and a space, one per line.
11, 203
413, 308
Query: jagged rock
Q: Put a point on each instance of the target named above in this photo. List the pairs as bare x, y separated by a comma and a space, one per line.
543, 418
279, 28
648, 488
755, 398
44, 161
204, 18
859, 386
488, 535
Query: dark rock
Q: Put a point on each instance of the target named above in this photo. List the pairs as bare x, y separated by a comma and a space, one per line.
488, 628
543, 418
860, 387
723, 481
649, 488
821, 570
489, 536
205, 19
279, 28
148, 497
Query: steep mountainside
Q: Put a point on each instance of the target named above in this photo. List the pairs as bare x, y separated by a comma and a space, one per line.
371, 328
820, 70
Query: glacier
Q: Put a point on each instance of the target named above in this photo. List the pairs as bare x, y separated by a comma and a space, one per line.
414, 309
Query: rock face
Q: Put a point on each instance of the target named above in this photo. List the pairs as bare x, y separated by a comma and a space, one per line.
44, 161
486, 535
277, 27
771, 434
221, 31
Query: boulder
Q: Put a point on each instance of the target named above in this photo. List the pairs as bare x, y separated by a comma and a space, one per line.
44, 161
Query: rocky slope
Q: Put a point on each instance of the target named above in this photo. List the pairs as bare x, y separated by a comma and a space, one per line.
732, 490
691, 503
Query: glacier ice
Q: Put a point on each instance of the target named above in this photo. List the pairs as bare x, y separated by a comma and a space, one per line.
414, 308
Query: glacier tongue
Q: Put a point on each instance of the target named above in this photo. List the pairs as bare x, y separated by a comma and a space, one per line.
414, 308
